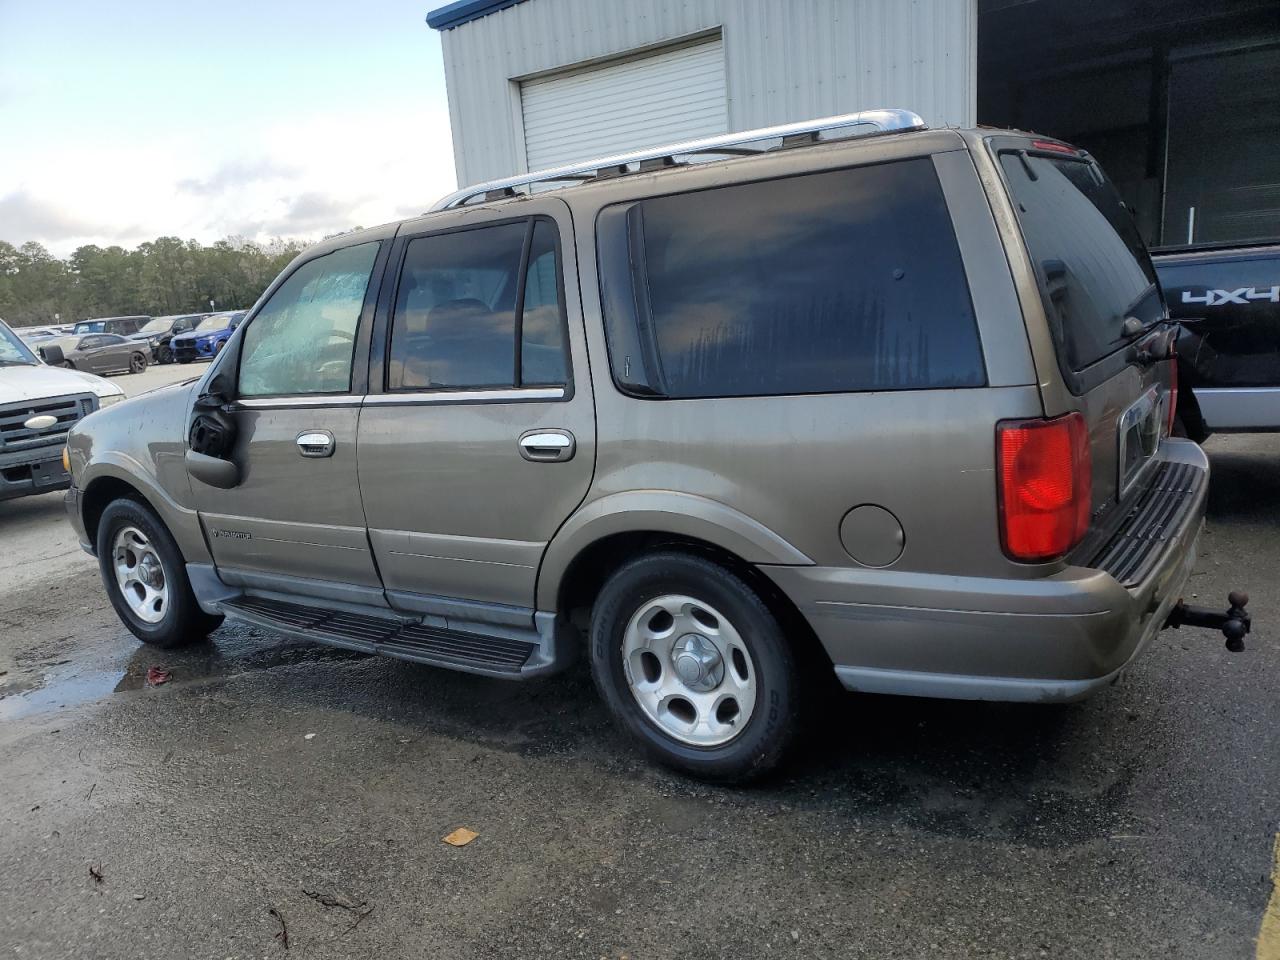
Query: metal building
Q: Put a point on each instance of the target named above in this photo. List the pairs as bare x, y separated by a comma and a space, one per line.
537, 83
1179, 99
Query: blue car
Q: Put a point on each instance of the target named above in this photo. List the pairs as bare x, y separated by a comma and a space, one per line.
207, 338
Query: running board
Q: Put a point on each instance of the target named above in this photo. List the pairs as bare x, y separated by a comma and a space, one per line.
406, 640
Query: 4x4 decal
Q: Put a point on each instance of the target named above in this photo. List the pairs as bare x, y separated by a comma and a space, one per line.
1217, 298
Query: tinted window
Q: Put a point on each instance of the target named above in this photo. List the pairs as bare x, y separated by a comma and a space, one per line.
302, 339
456, 319
1089, 258
841, 281
542, 341
107, 339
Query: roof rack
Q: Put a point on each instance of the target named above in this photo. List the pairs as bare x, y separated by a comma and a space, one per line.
725, 145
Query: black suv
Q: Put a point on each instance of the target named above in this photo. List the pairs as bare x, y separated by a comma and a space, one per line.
124, 326
160, 332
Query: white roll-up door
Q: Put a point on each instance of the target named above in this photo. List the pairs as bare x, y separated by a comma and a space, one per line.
661, 98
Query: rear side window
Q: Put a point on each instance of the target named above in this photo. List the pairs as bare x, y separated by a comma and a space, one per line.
843, 281
1089, 258
480, 308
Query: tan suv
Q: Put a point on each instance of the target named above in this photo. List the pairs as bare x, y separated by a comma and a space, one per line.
895, 397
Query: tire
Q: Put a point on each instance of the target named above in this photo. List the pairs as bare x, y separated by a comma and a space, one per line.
68, 364
184, 359
133, 530
163, 355
746, 650
217, 349
137, 363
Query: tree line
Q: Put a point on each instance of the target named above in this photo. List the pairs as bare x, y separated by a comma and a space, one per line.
164, 276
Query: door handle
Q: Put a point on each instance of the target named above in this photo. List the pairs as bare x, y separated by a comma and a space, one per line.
316, 443
547, 446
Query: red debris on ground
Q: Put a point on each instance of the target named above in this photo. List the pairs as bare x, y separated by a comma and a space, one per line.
157, 675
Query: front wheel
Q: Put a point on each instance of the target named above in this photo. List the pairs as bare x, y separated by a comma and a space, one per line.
146, 578
137, 363
68, 364
163, 355
692, 663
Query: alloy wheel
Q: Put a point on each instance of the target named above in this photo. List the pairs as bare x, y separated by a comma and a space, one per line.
140, 575
689, 670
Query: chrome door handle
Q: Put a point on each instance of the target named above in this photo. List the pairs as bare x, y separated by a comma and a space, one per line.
547, 446
316, 443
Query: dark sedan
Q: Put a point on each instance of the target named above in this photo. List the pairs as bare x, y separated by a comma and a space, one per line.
97, 353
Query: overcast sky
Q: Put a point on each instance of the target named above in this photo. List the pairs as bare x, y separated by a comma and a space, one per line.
123, 121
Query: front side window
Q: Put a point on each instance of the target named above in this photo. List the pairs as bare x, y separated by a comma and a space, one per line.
466, 319
849, 280
303, 339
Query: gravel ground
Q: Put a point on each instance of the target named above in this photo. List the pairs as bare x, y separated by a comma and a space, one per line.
318, 784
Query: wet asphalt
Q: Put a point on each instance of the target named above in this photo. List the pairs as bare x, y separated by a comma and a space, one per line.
273, 785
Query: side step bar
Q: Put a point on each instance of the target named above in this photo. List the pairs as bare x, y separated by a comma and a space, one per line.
406, 640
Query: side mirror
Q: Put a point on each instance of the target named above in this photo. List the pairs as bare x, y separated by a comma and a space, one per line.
214, 471
52, 355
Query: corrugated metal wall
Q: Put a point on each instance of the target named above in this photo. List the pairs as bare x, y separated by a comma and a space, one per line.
784, 59
625, 105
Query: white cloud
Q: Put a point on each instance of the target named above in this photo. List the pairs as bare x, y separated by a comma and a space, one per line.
301, 177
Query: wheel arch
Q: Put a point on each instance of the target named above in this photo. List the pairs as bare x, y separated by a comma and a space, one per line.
107, 481
587, 572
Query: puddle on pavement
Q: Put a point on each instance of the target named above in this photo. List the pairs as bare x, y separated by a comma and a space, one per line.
67, 683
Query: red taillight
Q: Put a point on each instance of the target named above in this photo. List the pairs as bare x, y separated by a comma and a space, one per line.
1046, 485
1053, 147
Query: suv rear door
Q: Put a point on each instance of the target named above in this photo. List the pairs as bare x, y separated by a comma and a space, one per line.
1105, 314
477, 438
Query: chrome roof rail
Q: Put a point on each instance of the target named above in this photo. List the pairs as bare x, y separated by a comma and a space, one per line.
725, 145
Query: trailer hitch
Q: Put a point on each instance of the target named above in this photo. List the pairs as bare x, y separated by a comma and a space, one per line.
1234, 624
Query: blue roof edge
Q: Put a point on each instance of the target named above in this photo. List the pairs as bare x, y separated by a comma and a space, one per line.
464, 11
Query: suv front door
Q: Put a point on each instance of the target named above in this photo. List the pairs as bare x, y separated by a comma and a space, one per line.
294, 521
477, 439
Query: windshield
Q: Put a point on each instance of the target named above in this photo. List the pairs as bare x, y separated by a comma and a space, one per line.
1093, 268
220, 322
12, 349
158, 325
89, 326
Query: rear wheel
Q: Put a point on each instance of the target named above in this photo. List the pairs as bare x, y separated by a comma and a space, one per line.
137, 363
146, 578
693, 664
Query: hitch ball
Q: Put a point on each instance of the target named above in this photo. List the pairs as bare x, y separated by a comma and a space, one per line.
1234, 624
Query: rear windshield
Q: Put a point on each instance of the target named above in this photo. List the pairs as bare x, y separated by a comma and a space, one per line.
1093, 268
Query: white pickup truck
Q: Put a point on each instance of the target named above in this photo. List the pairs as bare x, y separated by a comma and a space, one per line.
38, 405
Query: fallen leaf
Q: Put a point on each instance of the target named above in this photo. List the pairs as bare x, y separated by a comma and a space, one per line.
157, 675
460, 837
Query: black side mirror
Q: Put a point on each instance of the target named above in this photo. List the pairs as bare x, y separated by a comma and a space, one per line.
52, 355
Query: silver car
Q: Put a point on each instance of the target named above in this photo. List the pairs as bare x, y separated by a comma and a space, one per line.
891, 400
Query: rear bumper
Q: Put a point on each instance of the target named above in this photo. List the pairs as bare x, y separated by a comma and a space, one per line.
1239, 408
1056, 638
